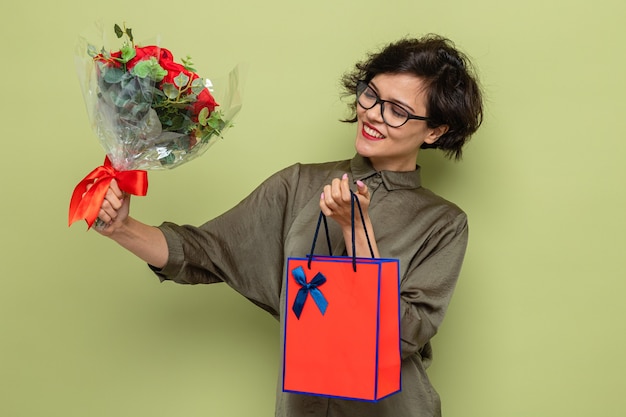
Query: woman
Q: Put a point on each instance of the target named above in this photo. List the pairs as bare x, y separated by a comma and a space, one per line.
413, 94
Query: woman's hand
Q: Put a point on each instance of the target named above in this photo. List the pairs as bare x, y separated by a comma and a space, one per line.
146, 242
114, 210
335, 203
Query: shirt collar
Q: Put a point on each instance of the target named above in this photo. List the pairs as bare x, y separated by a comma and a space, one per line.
363, 169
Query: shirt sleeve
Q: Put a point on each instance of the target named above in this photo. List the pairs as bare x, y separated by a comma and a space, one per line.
242, 247
428, 286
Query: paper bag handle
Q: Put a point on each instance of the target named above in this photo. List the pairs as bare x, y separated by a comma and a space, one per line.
353, 199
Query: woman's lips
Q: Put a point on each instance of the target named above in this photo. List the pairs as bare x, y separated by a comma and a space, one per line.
371, 133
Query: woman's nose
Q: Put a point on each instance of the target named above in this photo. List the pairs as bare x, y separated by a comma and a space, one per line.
375, 113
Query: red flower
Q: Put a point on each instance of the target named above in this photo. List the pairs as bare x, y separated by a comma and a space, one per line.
205, 99
174, 69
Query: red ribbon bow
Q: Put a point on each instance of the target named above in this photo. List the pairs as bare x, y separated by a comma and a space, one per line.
85, 204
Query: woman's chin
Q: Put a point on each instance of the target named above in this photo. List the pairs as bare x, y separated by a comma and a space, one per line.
364, 147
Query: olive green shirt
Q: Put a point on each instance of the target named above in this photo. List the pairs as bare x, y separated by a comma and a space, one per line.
247, 247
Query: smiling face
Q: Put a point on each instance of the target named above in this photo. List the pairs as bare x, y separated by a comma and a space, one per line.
395, 148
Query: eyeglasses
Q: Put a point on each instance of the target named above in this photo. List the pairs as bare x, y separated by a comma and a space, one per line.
392, 113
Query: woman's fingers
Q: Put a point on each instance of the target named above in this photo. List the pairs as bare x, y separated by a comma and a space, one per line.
363, 190
335, 201
338, 192
110, 208
115, 189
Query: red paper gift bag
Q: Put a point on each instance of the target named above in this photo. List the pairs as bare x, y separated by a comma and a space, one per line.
352, 349
342, 327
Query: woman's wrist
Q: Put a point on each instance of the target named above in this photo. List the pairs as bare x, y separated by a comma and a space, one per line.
145, 241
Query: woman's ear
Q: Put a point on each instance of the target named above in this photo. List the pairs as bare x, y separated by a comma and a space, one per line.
436, 133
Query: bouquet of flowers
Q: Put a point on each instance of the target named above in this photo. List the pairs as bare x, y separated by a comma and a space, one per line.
148, 112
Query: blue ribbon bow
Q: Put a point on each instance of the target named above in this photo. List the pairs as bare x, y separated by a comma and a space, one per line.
308, 287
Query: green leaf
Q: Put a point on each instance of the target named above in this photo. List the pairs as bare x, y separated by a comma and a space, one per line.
197, 86
216, 121
118, 31
170, 158
203, 115
190, 98
181, 80
129, 33
188, 64
170, 90
128, 81
91, 50
113, 75
128, 53
149, 68
157, 94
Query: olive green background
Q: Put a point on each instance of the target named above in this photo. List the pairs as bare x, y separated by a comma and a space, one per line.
537, 325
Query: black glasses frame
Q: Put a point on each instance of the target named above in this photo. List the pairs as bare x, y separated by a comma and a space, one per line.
360, 89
